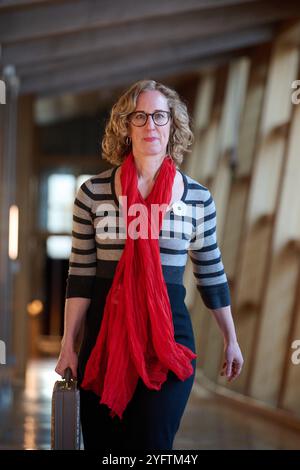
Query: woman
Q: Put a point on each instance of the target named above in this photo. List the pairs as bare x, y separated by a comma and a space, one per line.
136, 371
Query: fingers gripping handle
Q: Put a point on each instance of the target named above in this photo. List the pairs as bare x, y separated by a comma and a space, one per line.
68, 376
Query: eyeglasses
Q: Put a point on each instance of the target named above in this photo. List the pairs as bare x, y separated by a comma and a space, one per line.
139, 118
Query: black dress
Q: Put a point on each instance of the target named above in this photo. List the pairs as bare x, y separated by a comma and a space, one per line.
152, 417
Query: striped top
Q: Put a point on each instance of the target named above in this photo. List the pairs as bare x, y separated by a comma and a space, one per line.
188, 228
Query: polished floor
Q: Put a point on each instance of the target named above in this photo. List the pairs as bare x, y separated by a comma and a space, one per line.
207, 423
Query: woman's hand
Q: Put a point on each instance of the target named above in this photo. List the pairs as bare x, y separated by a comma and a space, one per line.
67, 358
233, 363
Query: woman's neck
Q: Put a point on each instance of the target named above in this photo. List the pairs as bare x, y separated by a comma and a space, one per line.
148, 167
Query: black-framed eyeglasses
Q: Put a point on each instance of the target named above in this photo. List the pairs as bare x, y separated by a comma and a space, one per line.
139, 118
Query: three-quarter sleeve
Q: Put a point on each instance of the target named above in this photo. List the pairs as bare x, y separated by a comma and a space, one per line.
206, 257
83, 258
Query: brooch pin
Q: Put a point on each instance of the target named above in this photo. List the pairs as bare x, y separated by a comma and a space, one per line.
179, 208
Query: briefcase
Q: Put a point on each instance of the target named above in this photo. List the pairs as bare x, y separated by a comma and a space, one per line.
65, 417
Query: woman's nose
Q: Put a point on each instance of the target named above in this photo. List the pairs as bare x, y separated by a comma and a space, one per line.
150, 124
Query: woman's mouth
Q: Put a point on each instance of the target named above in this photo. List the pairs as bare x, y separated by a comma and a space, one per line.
150, 139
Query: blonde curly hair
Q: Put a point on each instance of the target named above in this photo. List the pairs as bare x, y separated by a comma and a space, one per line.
114, 146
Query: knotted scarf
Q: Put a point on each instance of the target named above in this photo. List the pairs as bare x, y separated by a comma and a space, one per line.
136, 337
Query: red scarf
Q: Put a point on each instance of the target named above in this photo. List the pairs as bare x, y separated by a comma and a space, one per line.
136, 338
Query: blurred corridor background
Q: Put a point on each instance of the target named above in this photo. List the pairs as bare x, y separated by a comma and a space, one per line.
236, 64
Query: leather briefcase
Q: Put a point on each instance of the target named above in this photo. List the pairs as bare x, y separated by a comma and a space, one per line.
65, 416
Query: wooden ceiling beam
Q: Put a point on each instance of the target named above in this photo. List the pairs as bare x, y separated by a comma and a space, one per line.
111, 59
64, 17
148, 32
97, 83
8, 4
189, 54
14, 4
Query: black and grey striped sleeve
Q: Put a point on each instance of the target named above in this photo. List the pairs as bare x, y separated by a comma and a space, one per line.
206, 257
82, 262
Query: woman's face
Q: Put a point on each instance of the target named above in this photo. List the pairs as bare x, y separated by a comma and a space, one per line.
150, 139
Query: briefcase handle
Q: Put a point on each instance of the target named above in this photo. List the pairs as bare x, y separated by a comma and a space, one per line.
68, 376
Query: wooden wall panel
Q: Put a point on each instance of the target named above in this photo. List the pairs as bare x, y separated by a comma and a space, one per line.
252, 112
272, 340
234, 102
195, 164
204, 101
257, 201
233, 226
229, 131
244, 318
259, 220
235, 217
220, 187
281, 75
246, 153
290, 386
276, 315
